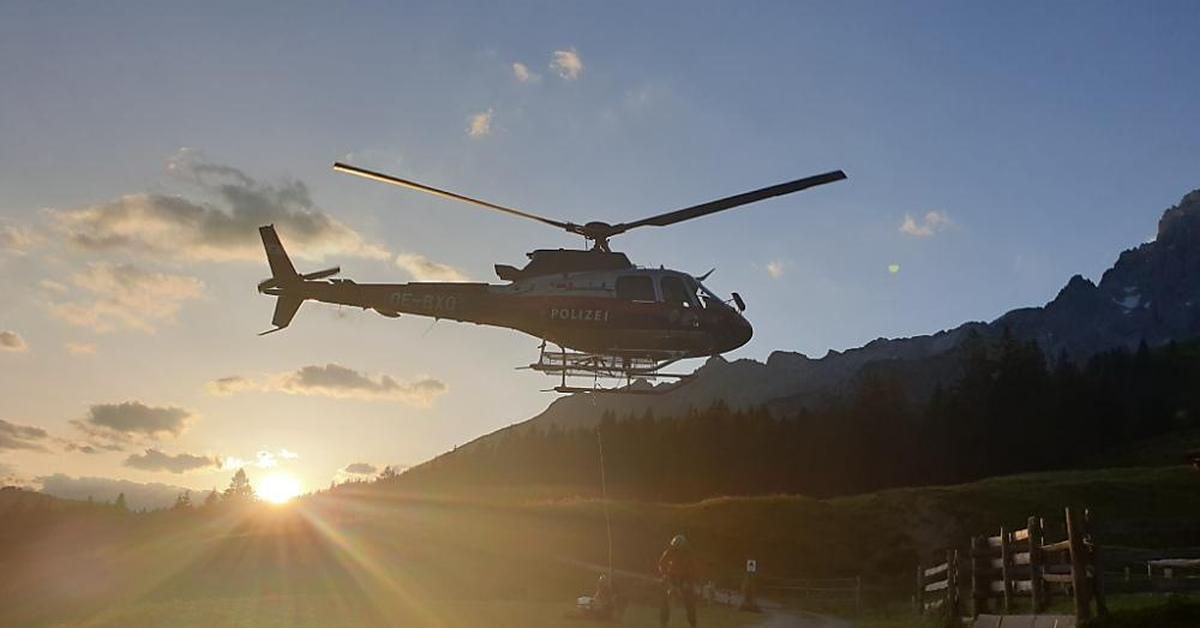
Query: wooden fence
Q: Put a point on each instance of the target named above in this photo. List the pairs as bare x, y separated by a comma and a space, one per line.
1018, 564
1174, 575
843, 590
937, 587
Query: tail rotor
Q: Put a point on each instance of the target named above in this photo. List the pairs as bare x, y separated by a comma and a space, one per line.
285, 283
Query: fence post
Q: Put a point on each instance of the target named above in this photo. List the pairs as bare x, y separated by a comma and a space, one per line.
952, 604
1035, 564
1097, 566
1049, 590
979, 584
1079, 577
920, 590
1005, 576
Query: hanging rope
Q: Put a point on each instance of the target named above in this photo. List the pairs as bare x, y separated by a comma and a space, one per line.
604, 497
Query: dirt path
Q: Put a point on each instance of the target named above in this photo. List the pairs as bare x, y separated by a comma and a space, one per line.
800, 619
773, 615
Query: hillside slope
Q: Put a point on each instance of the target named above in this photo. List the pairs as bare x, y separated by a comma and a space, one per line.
879, 535
1151, 294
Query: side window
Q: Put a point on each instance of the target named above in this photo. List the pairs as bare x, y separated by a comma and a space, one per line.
674, 292
636, 288
694, 288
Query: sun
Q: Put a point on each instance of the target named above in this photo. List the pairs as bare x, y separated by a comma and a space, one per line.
278, 488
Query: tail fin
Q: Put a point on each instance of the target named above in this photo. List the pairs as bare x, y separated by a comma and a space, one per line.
283, 275
285, 309
281, 266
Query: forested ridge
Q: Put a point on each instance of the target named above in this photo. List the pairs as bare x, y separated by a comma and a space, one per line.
1012, 410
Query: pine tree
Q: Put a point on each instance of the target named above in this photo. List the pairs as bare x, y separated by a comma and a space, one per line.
183, 501
239, 488
210, 500
120, 505
388, 473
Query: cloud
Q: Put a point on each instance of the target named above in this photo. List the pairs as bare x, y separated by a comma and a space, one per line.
8, 475
226, 386
360, 468
17, 240
422, 268
233, 462
567, 64
337, 382
112, 426
521, 71
480, 124
155, 460
266, 460
333, 380
137, 495
126, 297
12, 341
775, 268
81, 348
221, 230
933, 222
263, 459
53, 286
13, 436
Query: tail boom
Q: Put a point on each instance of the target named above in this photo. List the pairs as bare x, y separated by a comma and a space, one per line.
467, 302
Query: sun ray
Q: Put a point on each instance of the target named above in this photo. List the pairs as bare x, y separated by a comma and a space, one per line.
278, 488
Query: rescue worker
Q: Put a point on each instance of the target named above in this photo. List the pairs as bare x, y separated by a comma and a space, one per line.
678, 571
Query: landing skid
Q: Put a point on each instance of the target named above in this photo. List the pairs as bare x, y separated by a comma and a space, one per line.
576, 364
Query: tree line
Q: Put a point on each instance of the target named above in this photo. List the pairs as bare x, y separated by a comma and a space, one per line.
1009, 410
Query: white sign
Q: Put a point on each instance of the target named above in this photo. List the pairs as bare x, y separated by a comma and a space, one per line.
751, 566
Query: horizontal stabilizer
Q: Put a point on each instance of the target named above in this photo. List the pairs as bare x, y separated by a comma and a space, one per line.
285, 309
321, 274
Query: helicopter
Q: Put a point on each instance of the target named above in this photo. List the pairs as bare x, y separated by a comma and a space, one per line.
608, 318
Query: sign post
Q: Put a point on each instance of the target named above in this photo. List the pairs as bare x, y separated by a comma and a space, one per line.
749, 587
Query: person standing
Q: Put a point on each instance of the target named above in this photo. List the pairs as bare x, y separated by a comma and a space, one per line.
678, 570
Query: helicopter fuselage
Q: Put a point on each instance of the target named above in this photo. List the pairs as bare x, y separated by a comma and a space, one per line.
657, 314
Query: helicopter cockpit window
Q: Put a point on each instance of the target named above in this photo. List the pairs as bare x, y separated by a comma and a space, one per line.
674, 292
701, 293
636, 288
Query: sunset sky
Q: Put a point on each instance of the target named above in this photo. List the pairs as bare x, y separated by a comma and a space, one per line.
993, 151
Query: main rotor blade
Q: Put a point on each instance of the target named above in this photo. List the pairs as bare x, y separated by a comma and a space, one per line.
421, 187
730, 202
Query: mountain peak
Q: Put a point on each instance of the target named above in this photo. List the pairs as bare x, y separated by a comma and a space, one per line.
787, 360
1078, 287
1181, 222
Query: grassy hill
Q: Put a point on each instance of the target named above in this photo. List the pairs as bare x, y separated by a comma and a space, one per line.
1160, 451
372, 554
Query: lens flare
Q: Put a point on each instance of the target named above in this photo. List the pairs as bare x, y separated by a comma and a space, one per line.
278, 488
